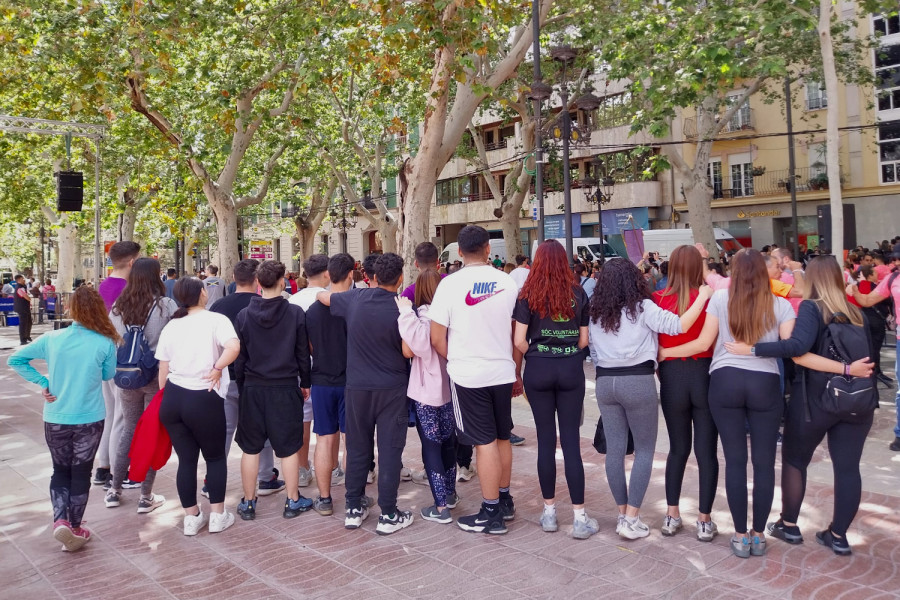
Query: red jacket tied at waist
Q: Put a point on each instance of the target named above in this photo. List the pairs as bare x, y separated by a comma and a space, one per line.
150, 446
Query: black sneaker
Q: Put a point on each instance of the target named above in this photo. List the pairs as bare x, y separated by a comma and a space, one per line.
516, 440
130, 485
102, 476
838, 545
507, 508
895, 445
247, 509
486, 521
787, 533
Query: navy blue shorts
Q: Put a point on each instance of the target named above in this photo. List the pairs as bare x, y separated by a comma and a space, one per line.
328, 409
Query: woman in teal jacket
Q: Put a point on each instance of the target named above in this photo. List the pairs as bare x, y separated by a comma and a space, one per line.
78, 359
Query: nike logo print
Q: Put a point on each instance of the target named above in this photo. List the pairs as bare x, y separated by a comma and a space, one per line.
473, 301
481, 521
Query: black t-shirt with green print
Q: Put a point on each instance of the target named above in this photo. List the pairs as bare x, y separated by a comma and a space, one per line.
550, 337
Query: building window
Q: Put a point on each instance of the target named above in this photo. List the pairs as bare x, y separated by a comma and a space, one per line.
742, 119
886, 25
818, 164
889, 151
459, 189
815, 96
887, 77
741, 179
715, 176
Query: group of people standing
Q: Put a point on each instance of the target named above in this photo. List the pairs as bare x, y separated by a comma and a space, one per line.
446, 356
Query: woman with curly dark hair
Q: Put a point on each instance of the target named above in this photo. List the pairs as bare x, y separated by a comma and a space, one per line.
78, 358
623, 340
551, 317
142, 304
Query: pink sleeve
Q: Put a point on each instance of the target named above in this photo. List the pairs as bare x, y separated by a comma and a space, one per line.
882, 289
416, 332
717, 282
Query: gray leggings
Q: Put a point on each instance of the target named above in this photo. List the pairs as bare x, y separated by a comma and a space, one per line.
629, 401
132, 404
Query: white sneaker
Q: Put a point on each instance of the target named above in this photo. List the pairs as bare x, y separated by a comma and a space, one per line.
147, 505
465, 473
632, 530
219, 522
706, 531
193, 524
306, 477
619, 522
405, 474
420, 478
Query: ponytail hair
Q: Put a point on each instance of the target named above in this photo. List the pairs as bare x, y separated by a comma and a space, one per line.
187, 293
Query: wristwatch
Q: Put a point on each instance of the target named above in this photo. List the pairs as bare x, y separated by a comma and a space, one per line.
752, 350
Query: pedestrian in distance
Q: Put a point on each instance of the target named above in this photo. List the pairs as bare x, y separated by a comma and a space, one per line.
79, 358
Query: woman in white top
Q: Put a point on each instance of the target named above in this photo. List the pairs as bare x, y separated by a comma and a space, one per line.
193, 351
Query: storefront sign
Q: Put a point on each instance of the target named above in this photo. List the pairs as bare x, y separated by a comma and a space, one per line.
758, 213
555, 226
617, 221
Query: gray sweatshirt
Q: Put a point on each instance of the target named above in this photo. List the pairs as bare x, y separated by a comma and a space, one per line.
162, 314
634, 343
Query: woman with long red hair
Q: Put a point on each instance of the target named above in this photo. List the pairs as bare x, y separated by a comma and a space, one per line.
551, 317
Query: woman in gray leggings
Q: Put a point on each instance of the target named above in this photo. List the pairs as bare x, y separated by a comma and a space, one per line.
623, 342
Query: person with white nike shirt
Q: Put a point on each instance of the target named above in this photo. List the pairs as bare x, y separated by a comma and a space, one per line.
315, 269
471, 325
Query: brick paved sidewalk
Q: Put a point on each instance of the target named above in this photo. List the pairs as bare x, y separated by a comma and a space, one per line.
146, 556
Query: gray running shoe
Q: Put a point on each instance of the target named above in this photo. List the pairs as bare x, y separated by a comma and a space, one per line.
706, 531
113, 498
324, 507
465, 473
757, 546
582, 530
548, 522
740, 547
337, 477
146, 505
306, 477
671, 526
431, 513
452, 500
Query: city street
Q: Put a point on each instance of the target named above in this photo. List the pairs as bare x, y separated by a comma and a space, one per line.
136, 556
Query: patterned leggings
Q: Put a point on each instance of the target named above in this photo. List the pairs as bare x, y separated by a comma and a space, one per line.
72, 448
437, 431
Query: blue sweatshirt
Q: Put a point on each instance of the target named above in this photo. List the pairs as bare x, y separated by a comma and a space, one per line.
78, 361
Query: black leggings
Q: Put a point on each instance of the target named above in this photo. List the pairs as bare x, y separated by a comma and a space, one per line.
876, 331
464, 454
684, 396
72, 449
737, 397
555, 390
195, 420
846, 438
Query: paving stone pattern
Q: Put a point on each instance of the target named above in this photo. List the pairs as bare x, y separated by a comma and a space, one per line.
146, 556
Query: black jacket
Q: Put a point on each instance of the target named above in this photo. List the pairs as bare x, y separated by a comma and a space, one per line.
274, 343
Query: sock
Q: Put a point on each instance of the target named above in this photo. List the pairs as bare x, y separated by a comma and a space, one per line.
325, 498
492, 505
580, 515
631, 520
549, 509
504, 493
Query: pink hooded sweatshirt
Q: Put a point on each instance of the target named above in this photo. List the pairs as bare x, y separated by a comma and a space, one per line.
428, 381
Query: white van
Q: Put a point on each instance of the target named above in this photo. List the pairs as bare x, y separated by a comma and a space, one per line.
451, 251
666, 240
587, 248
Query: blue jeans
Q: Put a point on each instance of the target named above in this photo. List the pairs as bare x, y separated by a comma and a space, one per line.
897, 399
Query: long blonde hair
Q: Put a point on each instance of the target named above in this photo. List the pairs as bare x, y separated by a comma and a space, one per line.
825, 286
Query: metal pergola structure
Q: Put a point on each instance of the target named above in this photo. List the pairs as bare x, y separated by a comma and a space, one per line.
68, 129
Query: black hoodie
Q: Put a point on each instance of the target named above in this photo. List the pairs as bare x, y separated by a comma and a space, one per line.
274, 343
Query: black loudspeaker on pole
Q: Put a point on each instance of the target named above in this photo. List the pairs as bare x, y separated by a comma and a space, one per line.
823, 215
69, 191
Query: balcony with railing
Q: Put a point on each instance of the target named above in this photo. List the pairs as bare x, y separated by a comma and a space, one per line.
742, 121
772, 183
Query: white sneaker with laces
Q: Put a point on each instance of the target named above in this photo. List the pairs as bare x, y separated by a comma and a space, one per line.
706, 531
619, 521
465, 473
671, 525
405, 474
219, 522
633, 529
194, 523
306, 477
420, 478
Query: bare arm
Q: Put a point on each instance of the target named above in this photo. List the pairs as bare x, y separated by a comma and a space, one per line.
860, 368
583, 337
520, 342
407, 351
864, 300
163, 373
324, 298
691, 315
518, 388
706, 339
439, 338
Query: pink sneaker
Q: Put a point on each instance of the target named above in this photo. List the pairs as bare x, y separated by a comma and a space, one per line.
72, 539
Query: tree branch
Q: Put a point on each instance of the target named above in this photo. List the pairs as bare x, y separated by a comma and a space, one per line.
267, 176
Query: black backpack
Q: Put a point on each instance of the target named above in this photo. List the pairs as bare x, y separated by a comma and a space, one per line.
136, 365
845, 342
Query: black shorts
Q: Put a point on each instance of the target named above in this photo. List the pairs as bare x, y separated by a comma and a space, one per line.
270, 412
482, 414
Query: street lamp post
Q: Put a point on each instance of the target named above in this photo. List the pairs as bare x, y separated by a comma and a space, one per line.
601, 195
343, 219
565, 55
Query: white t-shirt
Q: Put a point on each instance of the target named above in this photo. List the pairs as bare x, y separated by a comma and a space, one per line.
192, 345
306, 297
519, 275
476, 305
